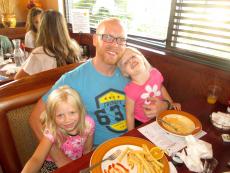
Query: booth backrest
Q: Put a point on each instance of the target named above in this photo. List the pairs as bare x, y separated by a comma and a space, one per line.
17, 99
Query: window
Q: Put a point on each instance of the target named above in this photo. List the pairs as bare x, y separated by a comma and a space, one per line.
195, 29
201, 26
145, 18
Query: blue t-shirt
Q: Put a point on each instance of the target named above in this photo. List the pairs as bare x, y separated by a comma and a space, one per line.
102, 96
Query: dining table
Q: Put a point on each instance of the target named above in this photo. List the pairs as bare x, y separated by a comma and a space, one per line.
6, 77
200, 109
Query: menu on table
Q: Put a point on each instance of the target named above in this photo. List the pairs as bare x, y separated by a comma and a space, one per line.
168, 142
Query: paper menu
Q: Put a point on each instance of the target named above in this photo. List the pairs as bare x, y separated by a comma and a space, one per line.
168, 142
80, 21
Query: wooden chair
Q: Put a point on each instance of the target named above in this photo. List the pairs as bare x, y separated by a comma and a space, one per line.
17, 99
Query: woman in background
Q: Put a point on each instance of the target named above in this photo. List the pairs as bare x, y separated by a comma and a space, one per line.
54, 48
32, 24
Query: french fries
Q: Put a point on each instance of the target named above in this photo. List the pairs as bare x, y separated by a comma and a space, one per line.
142, 159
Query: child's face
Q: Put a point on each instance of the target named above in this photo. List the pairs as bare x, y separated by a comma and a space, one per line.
67, 117
36, 21
133, 63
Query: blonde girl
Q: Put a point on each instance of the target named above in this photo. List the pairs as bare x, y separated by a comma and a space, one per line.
66, 125
32, 25
146, 82
54, 48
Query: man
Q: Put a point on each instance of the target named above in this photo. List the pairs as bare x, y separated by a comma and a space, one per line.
100, 85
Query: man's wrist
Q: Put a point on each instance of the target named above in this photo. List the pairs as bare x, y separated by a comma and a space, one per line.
169, 105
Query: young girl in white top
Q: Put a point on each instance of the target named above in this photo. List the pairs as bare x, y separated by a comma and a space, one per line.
66, 125
146, 82
32, 25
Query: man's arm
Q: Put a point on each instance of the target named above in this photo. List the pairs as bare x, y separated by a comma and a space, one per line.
155, 107
130, 119
166, 95
56, 154
34, 119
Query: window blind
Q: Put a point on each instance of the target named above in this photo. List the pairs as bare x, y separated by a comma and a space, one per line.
201, 26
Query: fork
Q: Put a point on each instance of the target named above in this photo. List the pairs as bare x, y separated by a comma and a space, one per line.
111, 157
169, 124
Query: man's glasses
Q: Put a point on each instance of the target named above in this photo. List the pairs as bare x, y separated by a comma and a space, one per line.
110, 39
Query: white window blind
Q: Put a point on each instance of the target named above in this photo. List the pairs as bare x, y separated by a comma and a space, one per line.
201, 26
145, 18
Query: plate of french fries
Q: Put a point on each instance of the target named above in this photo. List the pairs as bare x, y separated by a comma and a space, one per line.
137, 156
179, 123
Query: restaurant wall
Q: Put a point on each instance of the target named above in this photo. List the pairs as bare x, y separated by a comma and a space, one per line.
21, 8
187, 80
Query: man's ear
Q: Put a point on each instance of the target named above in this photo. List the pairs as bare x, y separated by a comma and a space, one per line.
95, 40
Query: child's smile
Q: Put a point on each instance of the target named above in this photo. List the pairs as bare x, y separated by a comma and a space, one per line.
67, 117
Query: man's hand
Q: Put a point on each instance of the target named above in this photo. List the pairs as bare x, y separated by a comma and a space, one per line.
155, 107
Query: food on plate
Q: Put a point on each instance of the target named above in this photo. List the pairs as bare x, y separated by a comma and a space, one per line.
146, 160
157, 153
178, 124
116, 168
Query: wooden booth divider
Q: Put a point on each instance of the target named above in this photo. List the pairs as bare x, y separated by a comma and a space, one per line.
17, 99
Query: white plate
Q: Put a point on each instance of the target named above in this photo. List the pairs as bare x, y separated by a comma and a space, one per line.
181, 120
124, 161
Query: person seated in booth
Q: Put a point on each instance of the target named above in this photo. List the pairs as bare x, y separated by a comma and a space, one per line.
65, 125
32, 25
5, 44
96, 80
146, 81
55, 47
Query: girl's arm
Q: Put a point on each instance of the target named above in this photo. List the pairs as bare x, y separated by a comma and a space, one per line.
129, 106
21, 74
36, 161
56, 154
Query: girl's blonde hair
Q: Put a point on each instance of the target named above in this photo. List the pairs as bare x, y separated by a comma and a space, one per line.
30, 18
54, 37
62, 94
123, 59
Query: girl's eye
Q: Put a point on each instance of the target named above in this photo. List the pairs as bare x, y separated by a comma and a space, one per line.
59, 115
126, 62
73, 112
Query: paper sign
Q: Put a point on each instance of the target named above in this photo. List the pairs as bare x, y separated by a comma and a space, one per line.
80, 21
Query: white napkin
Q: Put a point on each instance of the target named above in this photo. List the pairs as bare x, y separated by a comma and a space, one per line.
196, 150
6, 62
221, 118
10, 69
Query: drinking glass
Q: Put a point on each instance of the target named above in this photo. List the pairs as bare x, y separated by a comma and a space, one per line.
213, 93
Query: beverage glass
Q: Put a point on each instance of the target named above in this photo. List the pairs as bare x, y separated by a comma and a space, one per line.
19, 56
1, 55
213, 93
210, 165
